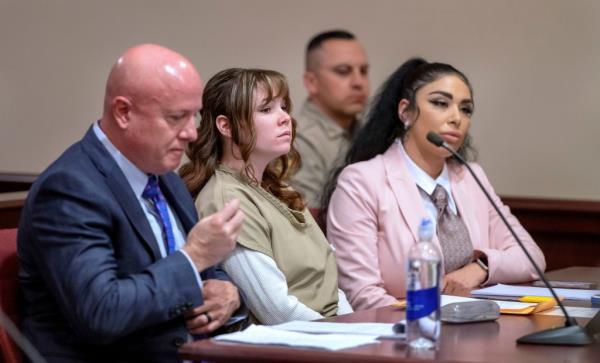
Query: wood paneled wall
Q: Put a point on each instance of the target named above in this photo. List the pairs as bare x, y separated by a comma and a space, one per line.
16, 182
568, 231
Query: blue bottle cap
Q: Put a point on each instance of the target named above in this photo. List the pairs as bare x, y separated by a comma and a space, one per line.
596, 300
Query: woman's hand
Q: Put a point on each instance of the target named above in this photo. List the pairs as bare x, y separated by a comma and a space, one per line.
460, 282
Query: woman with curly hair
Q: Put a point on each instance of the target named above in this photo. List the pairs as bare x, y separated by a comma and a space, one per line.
283, 264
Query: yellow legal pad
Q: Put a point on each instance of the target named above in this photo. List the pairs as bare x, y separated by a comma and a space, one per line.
543, 303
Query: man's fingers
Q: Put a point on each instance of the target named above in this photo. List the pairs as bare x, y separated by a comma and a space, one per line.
209, 328
203, 319
229, 210
209, 304
202, 324
237, 222
196, 323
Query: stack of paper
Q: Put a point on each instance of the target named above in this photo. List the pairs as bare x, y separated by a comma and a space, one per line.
260, 334
574, 312
515, 291
323, 327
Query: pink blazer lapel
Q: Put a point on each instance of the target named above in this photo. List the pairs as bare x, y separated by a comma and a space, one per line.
405, 190
464, 198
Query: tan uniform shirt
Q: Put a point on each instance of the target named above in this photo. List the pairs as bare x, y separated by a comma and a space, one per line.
291, 238
322, 144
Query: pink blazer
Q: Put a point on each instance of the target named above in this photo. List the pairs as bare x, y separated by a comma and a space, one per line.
373, 220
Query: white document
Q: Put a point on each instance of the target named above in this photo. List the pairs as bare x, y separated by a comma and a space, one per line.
574, 311
518, 291
323, 327
449, 299
260, 334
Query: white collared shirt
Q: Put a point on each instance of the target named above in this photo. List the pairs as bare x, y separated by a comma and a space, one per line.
137, 179
427, 185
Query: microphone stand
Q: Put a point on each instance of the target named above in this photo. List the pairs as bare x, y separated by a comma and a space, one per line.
571, 333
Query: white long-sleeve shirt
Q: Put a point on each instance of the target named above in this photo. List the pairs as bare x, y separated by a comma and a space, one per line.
266, 291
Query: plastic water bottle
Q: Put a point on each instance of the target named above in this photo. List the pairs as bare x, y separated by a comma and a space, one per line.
423, 291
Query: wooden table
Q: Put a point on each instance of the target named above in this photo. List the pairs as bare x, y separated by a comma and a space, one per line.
478, 342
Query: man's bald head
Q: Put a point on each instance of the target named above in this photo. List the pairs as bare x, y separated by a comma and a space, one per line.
153, 96
146, 70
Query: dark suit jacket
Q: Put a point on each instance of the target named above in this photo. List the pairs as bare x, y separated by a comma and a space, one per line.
95, 287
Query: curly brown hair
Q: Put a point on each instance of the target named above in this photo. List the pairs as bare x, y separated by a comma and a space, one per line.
230, 93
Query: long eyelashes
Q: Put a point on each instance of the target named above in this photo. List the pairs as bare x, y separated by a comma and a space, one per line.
467, 110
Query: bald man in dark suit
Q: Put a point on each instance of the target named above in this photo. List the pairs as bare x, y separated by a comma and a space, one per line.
114, 263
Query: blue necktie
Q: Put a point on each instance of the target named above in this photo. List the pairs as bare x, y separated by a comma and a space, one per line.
153, 194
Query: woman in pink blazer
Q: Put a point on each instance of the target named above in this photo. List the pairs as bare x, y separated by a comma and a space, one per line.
386, 185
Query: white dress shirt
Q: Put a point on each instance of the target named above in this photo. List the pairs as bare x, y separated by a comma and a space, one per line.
427, 185
137, 179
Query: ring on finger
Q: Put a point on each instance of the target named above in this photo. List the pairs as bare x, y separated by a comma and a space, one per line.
208, 317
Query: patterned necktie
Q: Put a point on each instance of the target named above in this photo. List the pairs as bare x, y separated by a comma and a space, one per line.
157, 200
452, 233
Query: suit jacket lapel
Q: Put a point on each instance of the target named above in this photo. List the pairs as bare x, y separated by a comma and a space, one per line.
405, 190
118, 184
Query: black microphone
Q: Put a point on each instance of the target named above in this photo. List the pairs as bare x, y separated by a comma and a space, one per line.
571, 333
437, 140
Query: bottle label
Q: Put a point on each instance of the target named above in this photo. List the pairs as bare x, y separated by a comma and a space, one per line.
421, 303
